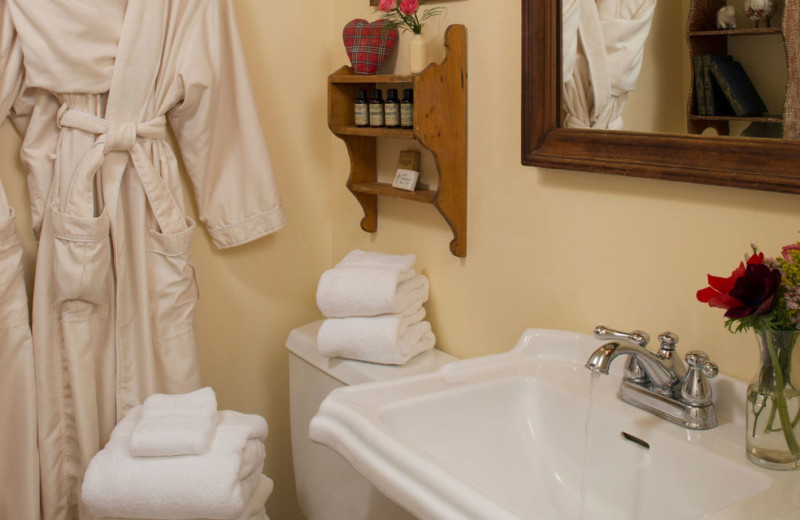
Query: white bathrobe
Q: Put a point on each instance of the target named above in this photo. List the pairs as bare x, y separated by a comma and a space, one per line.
19, 463
603, 46
115, 292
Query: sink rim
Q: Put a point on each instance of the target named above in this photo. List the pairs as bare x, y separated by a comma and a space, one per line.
349, 421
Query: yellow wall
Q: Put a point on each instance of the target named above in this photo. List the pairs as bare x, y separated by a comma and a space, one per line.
546, 248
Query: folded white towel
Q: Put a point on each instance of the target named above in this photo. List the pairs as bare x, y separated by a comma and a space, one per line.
216, 484
405, 263
351, 344
349, 291
254, 510
380, 333
180, 424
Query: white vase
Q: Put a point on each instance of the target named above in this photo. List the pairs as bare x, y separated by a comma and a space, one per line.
417, 54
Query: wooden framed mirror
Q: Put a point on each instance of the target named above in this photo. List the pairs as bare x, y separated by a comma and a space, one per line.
764, 164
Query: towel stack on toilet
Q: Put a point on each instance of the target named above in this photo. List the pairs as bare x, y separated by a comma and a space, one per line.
373, 305
177, 457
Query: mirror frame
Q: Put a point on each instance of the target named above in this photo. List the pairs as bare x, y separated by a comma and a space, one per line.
763, 164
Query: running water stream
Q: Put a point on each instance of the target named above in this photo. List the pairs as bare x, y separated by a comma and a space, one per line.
587, 448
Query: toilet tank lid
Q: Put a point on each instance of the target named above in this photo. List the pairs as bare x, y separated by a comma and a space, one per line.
302, 342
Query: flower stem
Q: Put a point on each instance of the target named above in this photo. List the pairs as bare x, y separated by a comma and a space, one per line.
779, 398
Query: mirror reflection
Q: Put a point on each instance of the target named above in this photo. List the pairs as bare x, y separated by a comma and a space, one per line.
706, 67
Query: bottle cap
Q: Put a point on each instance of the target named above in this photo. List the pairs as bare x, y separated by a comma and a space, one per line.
362, 94
376, 94
391, 93
408, 93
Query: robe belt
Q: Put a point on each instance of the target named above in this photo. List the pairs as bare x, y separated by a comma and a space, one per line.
115, 137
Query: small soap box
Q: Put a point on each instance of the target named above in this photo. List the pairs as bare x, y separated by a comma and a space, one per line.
407, 171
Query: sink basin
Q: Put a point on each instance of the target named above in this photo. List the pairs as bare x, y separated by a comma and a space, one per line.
532, 434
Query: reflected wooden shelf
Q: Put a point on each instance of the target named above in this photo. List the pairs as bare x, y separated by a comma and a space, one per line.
764, 118
738, 32
440, 126
705, 38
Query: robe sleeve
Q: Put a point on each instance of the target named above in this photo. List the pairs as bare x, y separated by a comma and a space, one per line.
11, 71
217, 129
11, 78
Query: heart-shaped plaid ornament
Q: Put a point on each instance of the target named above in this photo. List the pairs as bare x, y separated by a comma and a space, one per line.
368, 44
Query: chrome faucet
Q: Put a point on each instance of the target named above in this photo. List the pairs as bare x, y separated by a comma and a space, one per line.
659, 382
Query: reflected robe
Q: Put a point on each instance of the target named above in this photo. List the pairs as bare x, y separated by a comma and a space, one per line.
115, 292
603, 47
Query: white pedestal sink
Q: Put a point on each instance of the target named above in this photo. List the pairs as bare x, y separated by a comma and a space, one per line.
506, 437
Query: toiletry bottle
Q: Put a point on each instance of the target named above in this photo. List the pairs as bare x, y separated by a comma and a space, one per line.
407, 109
376, 109
392, 109
361, 109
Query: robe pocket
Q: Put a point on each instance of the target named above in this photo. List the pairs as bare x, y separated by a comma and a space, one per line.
173, 282
82, 263
13, 297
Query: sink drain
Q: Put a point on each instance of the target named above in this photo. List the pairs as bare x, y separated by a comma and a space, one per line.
636, 440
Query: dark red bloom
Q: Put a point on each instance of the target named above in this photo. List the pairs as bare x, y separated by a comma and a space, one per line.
756, 290
749, 291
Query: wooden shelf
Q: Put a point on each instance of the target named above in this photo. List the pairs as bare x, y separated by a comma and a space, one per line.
369, 79
440, 126
395, 133
382, 188
705, 38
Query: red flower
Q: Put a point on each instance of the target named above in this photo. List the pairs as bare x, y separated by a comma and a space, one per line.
409, 7
749, 291
387, 6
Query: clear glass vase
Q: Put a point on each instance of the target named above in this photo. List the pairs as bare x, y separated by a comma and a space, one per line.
773, 404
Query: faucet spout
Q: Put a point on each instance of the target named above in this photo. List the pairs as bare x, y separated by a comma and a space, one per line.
662, 377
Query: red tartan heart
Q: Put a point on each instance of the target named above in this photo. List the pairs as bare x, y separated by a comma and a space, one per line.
368, 44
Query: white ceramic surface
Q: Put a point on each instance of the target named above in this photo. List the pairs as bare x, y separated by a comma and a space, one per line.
506, 437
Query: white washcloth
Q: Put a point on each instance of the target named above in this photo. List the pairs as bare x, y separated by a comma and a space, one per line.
180, 424
348, 291
216, 484
416, 339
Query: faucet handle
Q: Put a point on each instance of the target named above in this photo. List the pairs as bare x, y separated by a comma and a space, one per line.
638, 337
696, 389
668, 340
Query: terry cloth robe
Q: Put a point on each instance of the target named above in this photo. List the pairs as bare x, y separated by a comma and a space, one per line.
603, 47
115, 291
19, 462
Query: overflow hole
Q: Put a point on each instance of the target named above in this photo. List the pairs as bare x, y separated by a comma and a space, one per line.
641, 442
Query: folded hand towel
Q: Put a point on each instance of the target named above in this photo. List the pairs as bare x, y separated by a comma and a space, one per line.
380, 333
405, 263
180, 424
349, 291
417, 338
216, 484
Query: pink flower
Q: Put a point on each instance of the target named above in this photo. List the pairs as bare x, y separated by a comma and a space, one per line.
786, 251
409, 6
387, 6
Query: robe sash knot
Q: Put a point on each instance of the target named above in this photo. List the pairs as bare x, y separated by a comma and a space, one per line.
121, 137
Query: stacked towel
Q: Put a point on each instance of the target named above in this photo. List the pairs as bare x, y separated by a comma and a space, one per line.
373, 302
179, 424
223, 481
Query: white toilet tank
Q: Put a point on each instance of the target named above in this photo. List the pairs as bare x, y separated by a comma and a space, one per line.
328, 488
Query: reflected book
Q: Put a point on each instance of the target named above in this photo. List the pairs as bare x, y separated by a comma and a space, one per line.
737, 88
